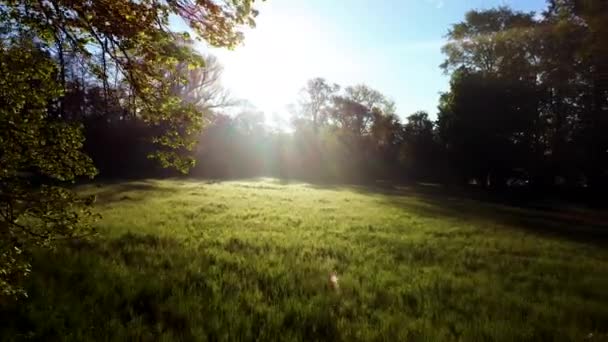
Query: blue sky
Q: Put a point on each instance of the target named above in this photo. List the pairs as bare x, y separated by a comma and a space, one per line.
391, 45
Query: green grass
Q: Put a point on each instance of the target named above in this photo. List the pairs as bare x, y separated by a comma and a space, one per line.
250, 260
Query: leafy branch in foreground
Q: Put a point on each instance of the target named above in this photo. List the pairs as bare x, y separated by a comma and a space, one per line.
117, 42
35, 148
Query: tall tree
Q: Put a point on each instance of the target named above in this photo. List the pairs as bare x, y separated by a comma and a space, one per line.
487, 119
315, 100
203, 87
589, 17
369, 97
354, 110
419, 152
487, 41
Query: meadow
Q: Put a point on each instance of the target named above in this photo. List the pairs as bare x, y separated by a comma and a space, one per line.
250, 260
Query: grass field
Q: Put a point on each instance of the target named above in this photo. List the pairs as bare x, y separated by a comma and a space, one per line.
250, 260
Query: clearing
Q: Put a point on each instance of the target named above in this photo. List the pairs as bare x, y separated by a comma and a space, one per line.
251, 260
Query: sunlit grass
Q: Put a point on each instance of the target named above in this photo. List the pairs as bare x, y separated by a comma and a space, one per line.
249, 260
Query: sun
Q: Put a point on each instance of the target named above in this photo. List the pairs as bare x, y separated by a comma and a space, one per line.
276, 59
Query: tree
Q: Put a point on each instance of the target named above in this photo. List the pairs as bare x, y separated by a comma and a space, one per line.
203, 88
134, 44
354, 110
580, 29
316, 99
546, 93
34, 147
487, 139
489, 120
386, 139
370, 98
419, 150
486, 40
350, 116
126, 42
365, 129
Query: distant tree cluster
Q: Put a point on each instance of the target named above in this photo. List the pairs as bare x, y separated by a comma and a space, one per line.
345, 135
528, 96
527, 107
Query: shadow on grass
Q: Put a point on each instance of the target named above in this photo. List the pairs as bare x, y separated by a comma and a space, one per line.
141, 287
520, 212
108, 192
564, 225
530, 214
116, 289
432, 200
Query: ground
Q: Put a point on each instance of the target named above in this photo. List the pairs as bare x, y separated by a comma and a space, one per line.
251, 260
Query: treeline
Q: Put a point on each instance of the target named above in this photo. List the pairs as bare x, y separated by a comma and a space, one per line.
528, 96
527, 107
349, 135
352, 135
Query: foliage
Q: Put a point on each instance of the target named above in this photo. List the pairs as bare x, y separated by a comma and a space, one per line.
34, 146
543, 111
526, 105
420, 150
316, 100
203, 88
134, 44
51, 50
349, 141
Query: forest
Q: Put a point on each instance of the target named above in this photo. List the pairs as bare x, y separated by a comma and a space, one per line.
526, 107
100, 92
